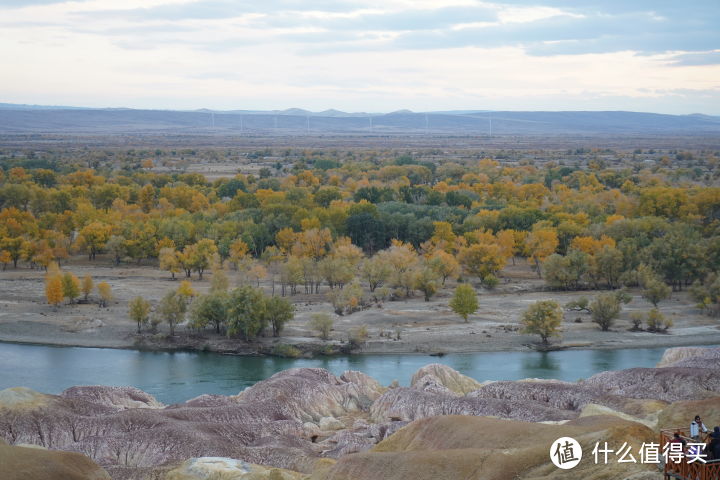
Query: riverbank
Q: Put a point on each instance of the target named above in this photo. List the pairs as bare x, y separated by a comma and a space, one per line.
309, 348
394, 327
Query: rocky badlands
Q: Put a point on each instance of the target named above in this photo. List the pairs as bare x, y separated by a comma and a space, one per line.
310, 424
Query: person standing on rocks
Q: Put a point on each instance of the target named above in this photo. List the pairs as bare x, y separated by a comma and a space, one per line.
696, 427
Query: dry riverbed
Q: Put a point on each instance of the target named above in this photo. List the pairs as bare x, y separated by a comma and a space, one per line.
422, 327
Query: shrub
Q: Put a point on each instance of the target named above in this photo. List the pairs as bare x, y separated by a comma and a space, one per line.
582, 303
287, 351
381, 294
349, 299
637, 319
322, 323
657, 322
605, 309
358, 336
490, 281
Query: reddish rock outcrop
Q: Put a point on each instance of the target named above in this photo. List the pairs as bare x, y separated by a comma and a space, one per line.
437, 376
119, 398
560, 395
299, 416
669, 384
125, 429
408, 404
697, 357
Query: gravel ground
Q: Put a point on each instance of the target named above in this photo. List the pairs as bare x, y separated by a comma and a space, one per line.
423, 326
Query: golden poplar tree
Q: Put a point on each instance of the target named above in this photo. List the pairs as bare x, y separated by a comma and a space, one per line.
54, 290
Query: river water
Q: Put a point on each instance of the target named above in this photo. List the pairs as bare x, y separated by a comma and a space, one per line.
175, 377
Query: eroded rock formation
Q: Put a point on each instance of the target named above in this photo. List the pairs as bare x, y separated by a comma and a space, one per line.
25, 463
698, 357
449, 447
275, 422
307, 421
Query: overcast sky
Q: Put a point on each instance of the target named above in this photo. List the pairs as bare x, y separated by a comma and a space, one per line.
373, 55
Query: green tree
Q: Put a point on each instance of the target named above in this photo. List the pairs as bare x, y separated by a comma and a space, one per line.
139, 311
321, 323
543, 318
210, 309
565, 272
219, 281
481, 259
172, 309
464, 302
246, 312
678, 256
427, 281
655, 291
198, 256
608, 265
605, 309
278, 312
375, 271
70, 286
116, 246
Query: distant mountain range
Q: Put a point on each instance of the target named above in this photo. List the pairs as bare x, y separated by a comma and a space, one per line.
77, 120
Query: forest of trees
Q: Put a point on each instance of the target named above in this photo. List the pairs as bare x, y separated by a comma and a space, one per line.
363, 230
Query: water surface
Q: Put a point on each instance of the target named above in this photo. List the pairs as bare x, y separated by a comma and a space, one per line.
179, 376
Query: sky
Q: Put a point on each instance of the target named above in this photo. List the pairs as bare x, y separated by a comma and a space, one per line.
363, 56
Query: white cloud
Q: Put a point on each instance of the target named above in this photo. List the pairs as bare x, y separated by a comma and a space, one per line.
368, 56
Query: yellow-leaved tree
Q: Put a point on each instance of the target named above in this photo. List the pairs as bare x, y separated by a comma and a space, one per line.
541, 243
87, 286
93, 237
445, 265
105, 292
169, 260
54, 289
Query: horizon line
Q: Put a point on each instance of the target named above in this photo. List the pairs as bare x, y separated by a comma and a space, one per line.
9, 105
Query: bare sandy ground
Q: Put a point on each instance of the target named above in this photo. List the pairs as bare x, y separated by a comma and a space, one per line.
423, 327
